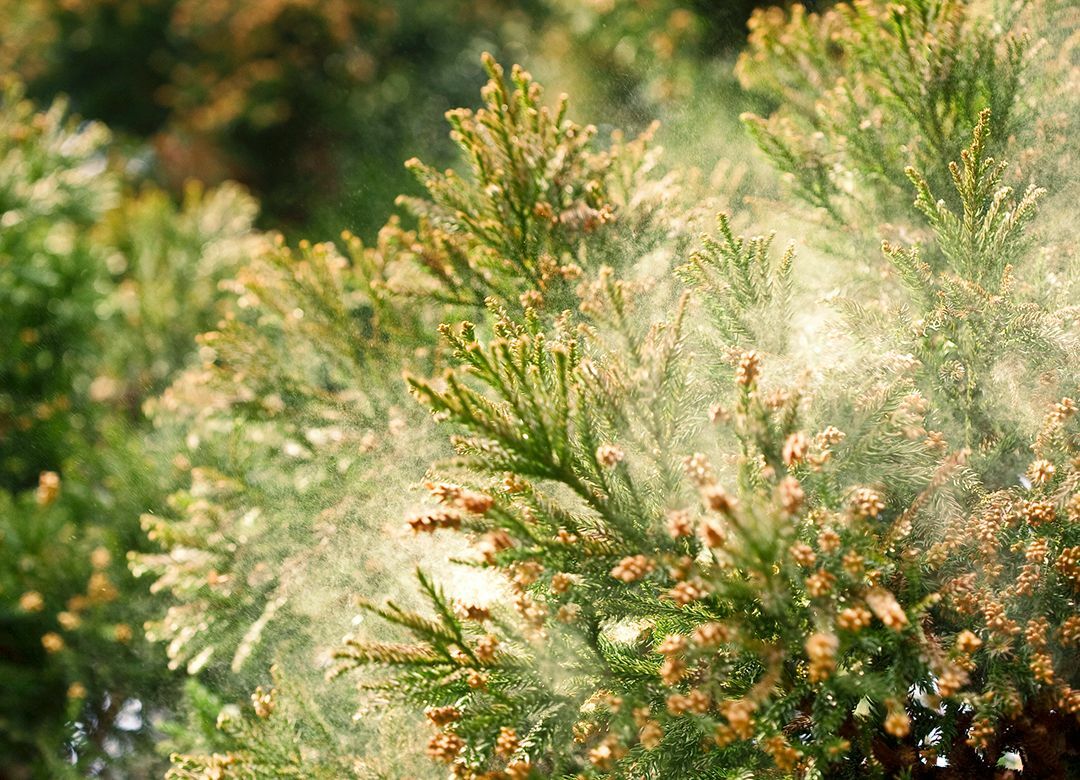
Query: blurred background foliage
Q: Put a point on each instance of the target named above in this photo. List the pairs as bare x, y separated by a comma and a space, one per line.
314, 103
103, 285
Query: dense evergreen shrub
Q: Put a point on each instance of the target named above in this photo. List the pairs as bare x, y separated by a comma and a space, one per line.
102, 291
706, 515
575, 468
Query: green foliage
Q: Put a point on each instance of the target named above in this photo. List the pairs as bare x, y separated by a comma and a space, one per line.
657, 52
264, 739
970, 317
298, 340
706, 509
538, 189
302, 101
699, 550
168, 262
314, 104
985, 238
866, 89
75, 371
52, 192
286, 433
740, 286
826, 585
281, 415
